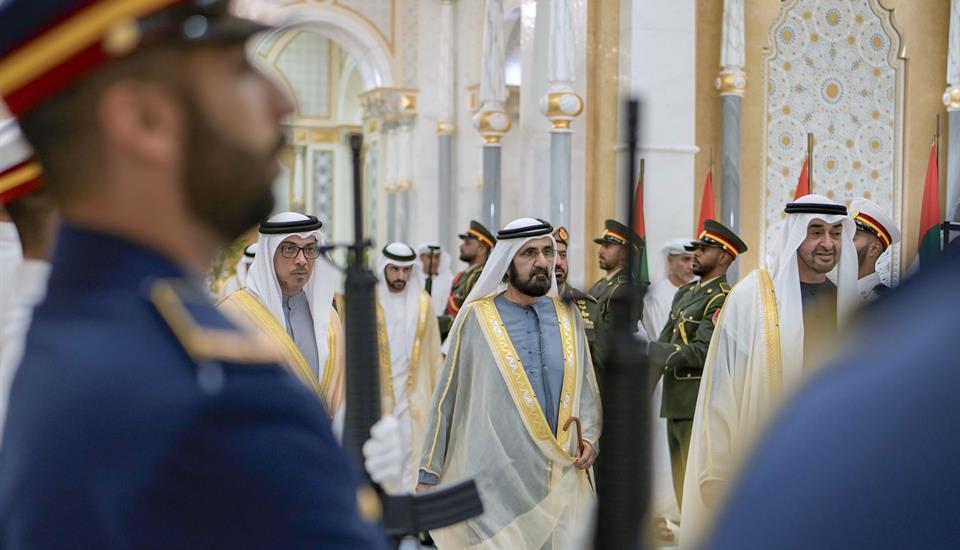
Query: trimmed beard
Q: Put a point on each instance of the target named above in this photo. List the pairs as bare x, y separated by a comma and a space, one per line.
226, 185
536, 285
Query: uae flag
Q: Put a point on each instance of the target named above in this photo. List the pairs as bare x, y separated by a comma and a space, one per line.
639, 227
803, 183
707, 211
928, 246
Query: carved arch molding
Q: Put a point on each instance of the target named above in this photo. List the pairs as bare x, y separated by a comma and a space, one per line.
834, 69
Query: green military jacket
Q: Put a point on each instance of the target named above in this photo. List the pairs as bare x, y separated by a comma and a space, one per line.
462, 285
681, 350
604, 291
583, 301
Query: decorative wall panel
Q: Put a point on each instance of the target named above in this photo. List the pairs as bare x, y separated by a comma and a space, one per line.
323, 184
305, 65
834, 70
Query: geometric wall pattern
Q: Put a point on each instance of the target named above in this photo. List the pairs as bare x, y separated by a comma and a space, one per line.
833, 70
305, 64
323, 184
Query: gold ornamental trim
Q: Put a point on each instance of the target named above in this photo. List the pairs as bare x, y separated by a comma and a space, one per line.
951, 99
445, 127
561, 123
423, 314
521, 391
387, 398
732, 82
563, 104
493, 122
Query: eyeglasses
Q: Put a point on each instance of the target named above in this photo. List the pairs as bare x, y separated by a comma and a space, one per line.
531, 253
290, 250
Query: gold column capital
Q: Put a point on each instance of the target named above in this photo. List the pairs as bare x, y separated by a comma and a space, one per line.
731, 81
561, 107
446, 127
951, 98
492, 122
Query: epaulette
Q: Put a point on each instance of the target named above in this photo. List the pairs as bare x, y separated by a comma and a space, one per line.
725, 288
178, 303
572, 293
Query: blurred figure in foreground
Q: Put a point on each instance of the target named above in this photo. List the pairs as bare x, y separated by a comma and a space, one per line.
864, 456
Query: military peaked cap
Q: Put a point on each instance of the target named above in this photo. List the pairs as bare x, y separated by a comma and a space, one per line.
478, 231
716, 234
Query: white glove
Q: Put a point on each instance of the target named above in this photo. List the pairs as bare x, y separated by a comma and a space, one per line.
642, 332
382, 454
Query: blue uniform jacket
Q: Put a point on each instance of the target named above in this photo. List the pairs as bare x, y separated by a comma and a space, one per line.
119, 437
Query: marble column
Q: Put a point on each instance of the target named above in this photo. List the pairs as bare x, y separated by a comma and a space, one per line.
492, 121
561, 105
298, 194
404, 182
951, 98
731, 84
390, 181
445, 127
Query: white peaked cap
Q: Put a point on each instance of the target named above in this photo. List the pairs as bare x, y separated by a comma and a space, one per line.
871, 217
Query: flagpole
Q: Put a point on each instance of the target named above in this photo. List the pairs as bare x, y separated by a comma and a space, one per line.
810, 162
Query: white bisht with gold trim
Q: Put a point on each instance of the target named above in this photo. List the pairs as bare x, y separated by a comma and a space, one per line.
487, 425
756, 358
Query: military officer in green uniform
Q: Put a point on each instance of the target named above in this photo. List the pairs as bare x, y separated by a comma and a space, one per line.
475, 249
680, 351
612, 258
566, 291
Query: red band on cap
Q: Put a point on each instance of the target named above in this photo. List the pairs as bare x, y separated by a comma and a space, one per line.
724, 243
876, 227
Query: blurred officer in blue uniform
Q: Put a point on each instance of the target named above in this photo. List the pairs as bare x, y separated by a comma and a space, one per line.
865, 456
140, 417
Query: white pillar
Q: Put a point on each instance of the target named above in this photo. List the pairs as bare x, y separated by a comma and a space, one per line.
561, 105
298, 198
731, 84
492, 121
667, 87
445, 127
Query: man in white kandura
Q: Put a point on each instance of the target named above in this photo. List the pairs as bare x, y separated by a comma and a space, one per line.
442, 280
775, 327
678, 262
876, 232
413, 346
515, 384
289, 299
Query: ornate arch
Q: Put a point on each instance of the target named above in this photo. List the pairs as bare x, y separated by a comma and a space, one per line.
353, 33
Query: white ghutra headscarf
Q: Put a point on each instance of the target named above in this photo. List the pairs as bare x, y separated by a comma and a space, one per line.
510, 240
262, 277
782, 265
442, 281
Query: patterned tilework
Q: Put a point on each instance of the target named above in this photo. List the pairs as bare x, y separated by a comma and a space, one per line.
323, 171
409, 42
305, 65
832, 71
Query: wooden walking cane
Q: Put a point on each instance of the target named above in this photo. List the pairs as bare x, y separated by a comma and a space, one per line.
580, 443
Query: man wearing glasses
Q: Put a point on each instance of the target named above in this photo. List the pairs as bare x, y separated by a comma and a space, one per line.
289, 298
517, 377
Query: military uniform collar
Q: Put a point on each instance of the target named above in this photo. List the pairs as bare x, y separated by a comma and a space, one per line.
719, 279
613, 276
